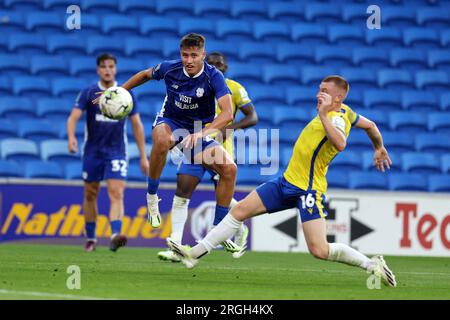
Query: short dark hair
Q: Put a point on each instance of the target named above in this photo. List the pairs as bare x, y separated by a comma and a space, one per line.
219, 65
192, 40
106, 56
338, 81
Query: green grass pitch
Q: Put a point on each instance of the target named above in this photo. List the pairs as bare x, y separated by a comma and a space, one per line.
32, 271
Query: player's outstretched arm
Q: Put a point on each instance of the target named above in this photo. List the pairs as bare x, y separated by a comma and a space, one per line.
381, 156
72, 121
138, 79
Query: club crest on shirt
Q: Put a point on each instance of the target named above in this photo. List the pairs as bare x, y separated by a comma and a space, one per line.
200, 92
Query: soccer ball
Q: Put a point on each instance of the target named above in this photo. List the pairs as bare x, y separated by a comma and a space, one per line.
116, 103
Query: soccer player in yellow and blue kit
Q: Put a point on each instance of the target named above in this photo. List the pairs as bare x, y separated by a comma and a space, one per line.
303, 184
189, 175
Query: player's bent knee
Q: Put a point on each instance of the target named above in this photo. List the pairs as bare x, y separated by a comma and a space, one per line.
116, 194
90, 193
228, 171
240, 211
318, 251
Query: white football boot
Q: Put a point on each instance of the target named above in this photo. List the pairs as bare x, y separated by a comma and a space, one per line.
154, 218
380, 269
168, 255
182, 252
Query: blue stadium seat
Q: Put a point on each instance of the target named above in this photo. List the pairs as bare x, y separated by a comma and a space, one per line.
10, 169
27, 43
432, 80
358, 141
354, 98
323, 13
271, 31
12, 21
23, 5
309, 33
17, 149
212, 9
126, 67
205, 27
439, 59
445, 163
266, 94
31, 86
332, 56
387, 37
100, 44
355, 14
408, 58
37, 130
257, 52
382, 99
3, 42
265, 115
17, 107
445, 38
143, 47
43, 169
398, 16
123, 25
158, 27
437, 143
368, 163
49, 66
54, 108
67, 45
8, 129
419, 100
237, 30
45, 22
407, 182
347, 161
137, 7
228, 48
369, 58
134, 173
439, 122
439, 183
248, 10
73, 171
285, 11
314, 75
396, 79
68, 87
153, 92
367, 180
280, 74
421, 38
408, 121
445, 101
433, 17
398, 141
359, 78
294, 53
99, 6
57, 150
79, 131
83, 66
5, 86
91, 24
337, 179
301, 96
417, 162
245, 72
14, 65
174, 8
290, 115
346, 35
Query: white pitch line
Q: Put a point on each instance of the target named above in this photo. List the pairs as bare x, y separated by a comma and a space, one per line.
51, 295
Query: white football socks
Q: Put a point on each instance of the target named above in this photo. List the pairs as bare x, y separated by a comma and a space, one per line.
223, 231
340, 252
179, 216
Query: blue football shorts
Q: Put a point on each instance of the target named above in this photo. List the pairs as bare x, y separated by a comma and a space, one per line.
98, 168
278, 194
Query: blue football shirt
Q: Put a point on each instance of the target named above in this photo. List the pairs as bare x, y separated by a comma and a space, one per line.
190, 99
103, 136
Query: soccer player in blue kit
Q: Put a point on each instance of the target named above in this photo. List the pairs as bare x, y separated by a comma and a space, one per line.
192, 89
104, 153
